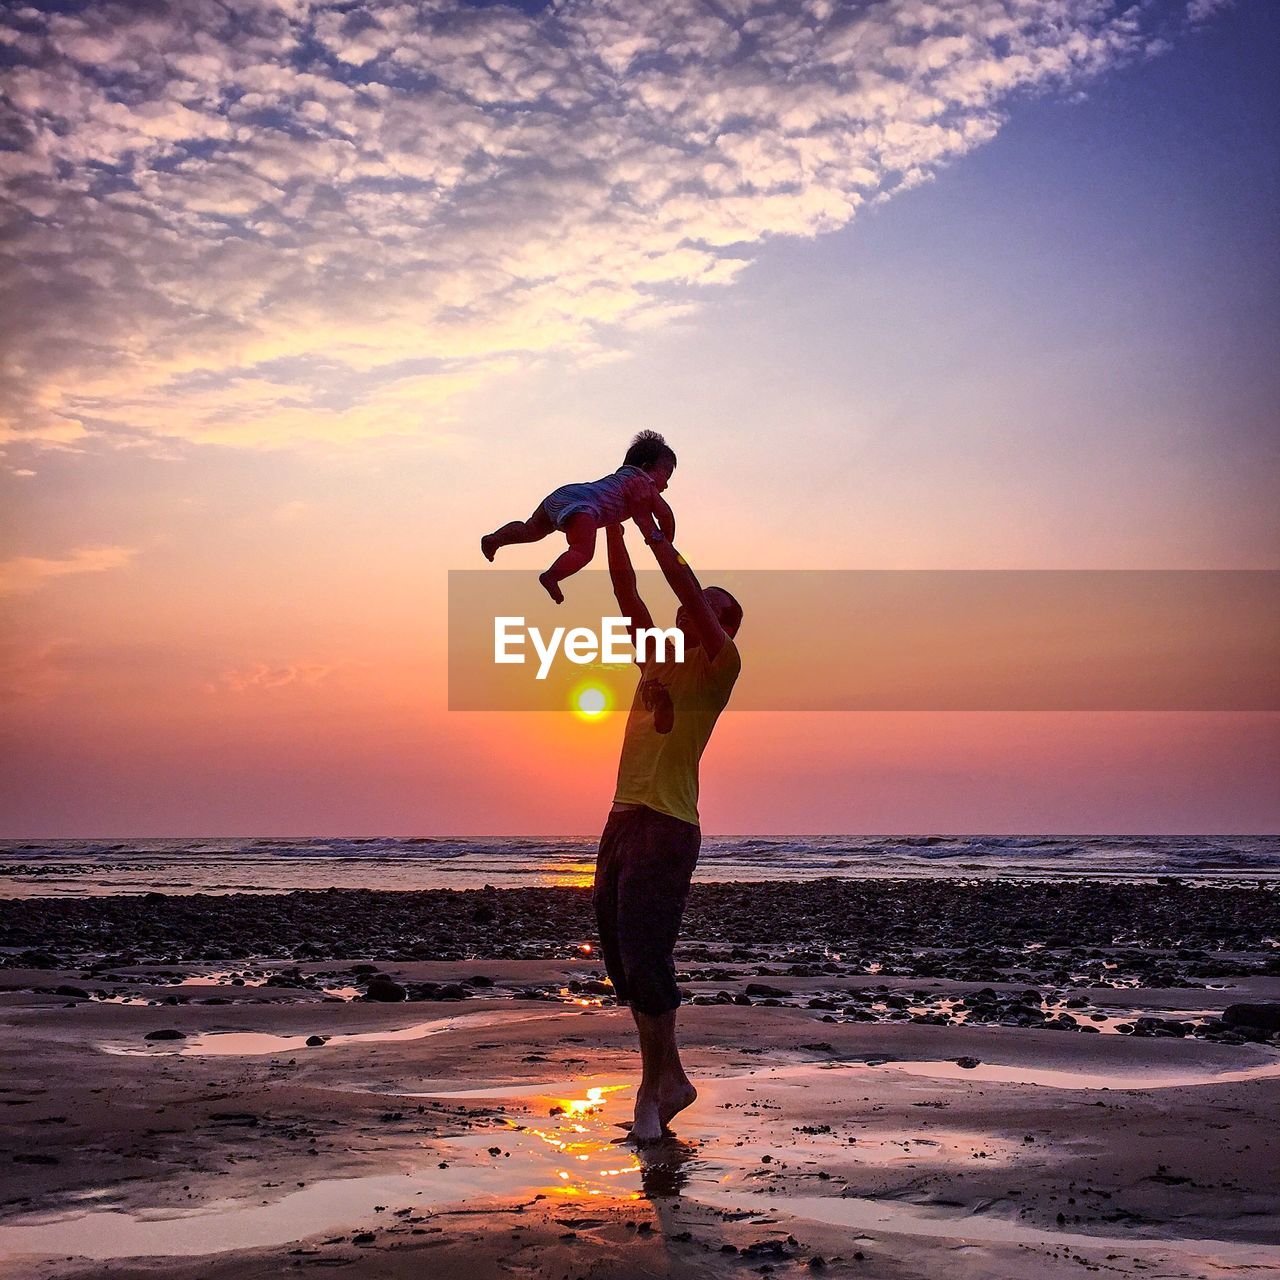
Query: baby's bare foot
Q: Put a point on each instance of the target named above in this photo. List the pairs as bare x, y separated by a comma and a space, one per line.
551, 586
489, 547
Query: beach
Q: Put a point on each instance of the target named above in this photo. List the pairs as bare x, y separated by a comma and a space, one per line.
981, 1078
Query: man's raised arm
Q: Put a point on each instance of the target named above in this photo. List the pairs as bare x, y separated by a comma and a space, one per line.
623, 577
684, 582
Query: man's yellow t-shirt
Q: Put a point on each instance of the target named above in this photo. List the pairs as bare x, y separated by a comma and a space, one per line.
660, 770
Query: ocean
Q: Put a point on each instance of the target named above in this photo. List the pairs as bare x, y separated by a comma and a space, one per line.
49, 868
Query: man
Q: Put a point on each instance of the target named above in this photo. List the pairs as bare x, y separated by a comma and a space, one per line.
650, 843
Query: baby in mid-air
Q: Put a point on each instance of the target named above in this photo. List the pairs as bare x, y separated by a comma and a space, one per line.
579, 510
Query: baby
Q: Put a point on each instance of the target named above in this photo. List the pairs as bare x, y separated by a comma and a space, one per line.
579, 510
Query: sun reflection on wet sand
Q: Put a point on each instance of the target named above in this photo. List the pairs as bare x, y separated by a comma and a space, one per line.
597, 1161
577, 1154
595, 1097
588, 1145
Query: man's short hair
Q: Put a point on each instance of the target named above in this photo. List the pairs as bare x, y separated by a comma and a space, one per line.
647, 449
729, 612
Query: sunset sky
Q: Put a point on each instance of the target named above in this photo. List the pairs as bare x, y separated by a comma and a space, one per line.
300, 298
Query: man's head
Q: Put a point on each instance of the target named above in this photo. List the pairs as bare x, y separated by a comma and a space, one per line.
651, 453
727, 610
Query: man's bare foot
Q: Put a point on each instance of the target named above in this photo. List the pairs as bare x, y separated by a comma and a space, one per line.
647, 1126
551, 586
672, 1101
489, 547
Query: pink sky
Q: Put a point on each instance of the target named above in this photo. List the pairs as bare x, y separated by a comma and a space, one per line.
305, 304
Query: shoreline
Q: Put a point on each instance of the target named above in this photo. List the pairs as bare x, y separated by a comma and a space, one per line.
18, 888
275, 865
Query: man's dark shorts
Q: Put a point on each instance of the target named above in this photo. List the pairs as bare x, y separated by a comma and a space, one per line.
643, 869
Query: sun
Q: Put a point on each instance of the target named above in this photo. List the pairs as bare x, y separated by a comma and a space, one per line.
590, 702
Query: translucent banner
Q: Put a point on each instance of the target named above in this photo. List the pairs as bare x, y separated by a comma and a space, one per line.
864, 640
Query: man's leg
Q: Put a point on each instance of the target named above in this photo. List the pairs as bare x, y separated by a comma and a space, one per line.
652, 888
664, 1089
604, 898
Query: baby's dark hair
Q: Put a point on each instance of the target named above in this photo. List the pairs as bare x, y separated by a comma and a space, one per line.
647, 449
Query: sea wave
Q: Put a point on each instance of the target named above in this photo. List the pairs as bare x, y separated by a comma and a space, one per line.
276, 864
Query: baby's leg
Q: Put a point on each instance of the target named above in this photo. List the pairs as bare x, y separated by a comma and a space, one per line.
581, 532
534, 529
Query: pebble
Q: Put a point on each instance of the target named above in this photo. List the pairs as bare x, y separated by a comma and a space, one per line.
1266, 1017
385, 991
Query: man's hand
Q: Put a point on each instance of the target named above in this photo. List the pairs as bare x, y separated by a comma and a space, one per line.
683, 581
623, 578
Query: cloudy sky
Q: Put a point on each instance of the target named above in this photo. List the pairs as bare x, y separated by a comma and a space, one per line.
299, 298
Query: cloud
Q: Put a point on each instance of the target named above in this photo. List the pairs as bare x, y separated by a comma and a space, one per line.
279, 221
1203, 10
264, 676
29, 573
291, 512
33, 673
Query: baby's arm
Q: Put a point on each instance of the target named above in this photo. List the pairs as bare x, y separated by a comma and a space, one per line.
665, 517
649, 502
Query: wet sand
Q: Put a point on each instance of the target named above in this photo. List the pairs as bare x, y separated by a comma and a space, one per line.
852, 1120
